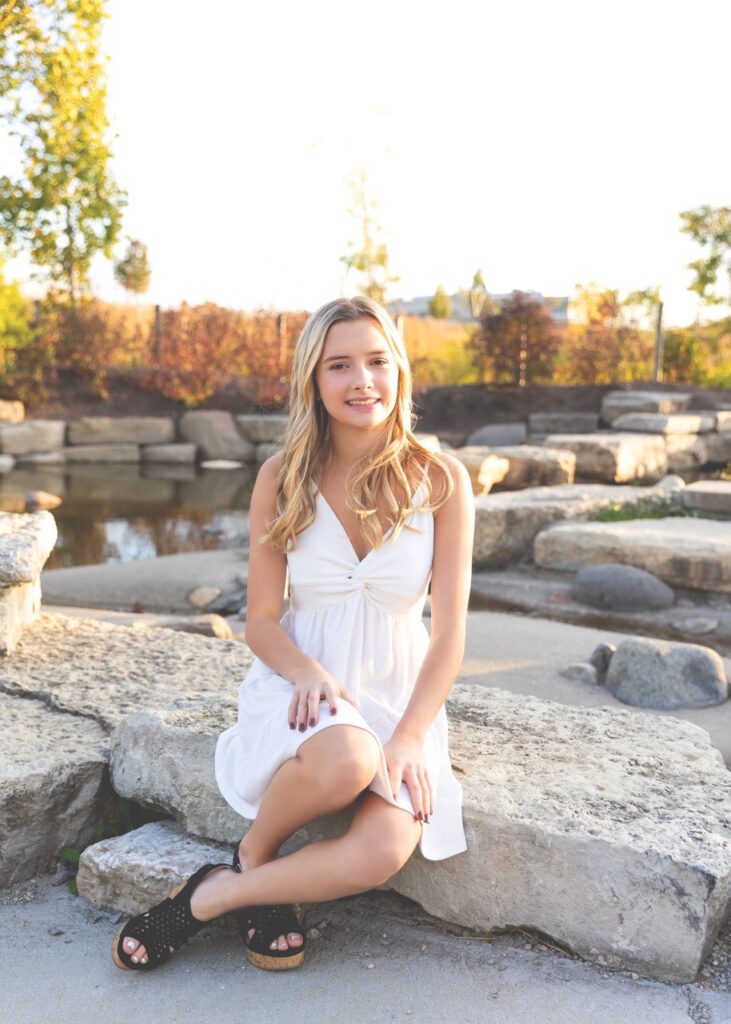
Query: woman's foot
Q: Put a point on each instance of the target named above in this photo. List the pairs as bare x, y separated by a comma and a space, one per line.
291, 940
203, 907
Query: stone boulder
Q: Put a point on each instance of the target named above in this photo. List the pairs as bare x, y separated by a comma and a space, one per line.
53, 785
485, 468
614, 457
718, 447
259, 428
121, 430
621, 588
672, 423
535, 466
497, 433
175, 454
682, 551
216, 435
686, 452
563, 422
617, 403
19, 605
651, 673
57, 458
103, 453
564, 808
507, 523
134, 871
713, 496
26, 541
32, 436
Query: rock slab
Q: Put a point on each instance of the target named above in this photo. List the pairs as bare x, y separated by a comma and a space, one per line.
507, 523
52, 785
682, 551
564, 808
26, 541
652, 673
121, 429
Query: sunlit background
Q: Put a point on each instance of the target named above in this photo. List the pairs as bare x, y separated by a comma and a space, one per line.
548, 144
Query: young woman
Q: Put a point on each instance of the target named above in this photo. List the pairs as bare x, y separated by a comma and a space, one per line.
361, 516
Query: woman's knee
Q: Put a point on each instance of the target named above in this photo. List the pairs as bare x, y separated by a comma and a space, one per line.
383, 851
343, 758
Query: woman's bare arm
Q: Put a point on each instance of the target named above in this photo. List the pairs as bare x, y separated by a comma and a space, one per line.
265, 586
454, 528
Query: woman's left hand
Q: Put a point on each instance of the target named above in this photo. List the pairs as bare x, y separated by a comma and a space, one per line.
405, 761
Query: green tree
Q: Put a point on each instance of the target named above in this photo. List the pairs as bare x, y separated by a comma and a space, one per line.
710, 227
440, 304
368, 256
65, 207
133, 269
16, 332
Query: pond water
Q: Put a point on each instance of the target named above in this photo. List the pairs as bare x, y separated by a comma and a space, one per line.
117, 513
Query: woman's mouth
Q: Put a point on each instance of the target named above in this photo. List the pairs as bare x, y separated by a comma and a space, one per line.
362, 403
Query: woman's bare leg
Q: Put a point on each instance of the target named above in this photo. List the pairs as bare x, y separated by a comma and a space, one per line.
380, 840
328, 772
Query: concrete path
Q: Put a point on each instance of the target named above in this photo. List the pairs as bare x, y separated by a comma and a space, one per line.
159, 584
524, 655
378, 958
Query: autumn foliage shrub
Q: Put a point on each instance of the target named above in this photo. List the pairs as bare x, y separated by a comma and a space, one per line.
200, 347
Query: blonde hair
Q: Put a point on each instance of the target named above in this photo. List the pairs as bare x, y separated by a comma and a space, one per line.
398, 457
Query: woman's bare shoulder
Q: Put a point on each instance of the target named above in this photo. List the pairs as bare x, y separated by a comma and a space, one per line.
458, 472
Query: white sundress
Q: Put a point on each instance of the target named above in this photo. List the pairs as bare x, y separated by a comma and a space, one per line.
362, 621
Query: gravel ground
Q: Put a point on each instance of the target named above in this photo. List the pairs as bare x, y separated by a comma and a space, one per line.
376, 957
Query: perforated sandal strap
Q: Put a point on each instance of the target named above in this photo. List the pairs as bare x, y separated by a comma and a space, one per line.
166, 927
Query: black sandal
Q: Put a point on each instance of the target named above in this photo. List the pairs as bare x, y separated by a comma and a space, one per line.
270, 921
163, 929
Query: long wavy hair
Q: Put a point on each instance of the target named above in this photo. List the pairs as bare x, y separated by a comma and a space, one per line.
397, 458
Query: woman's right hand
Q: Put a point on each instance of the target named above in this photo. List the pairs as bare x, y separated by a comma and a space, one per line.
304, 708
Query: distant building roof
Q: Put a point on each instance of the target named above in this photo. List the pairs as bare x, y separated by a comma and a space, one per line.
419, 305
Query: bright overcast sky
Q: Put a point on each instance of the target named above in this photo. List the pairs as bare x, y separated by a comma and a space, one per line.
547, 143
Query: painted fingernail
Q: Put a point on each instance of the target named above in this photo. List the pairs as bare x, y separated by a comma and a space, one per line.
312, 721
291, 725
333, 711
303, 726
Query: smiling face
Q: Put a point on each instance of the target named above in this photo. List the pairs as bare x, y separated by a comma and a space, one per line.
357, 376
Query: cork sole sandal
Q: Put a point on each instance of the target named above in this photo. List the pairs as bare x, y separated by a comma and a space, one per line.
269, 921
163, 929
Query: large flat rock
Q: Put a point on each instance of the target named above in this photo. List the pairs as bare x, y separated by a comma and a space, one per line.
683, 551
507, 523
105, 672
32, 436
564, 809
712, 496
160, 584
53, 784
617, 403
673, 423
614, 456
121, 429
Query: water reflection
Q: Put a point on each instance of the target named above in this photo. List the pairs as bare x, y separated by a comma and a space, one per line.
117, 513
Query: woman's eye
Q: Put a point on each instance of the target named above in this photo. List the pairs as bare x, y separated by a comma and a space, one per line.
335, 366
